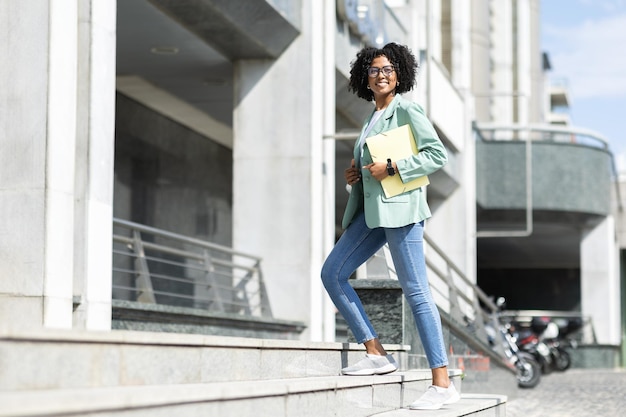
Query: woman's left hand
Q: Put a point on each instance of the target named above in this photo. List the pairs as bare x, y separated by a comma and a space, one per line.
378, 170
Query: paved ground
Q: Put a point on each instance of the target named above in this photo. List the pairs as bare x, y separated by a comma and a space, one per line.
573, 393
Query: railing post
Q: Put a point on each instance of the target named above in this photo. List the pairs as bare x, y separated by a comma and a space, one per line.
479, 322
211, 282
142, 282
453, 297
266, 309
498, 342
241, 288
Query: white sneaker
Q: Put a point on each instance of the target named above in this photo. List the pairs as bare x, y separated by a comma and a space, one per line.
435, 397
372, 365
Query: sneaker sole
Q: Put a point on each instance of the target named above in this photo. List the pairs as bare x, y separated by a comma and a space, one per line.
452, 400
364, 372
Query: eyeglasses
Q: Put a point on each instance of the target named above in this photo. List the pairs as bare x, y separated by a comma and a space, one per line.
374, 71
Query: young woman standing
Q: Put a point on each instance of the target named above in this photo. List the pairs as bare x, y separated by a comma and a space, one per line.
371, 219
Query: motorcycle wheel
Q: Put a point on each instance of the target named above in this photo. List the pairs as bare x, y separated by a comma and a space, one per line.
562, 361
528, 370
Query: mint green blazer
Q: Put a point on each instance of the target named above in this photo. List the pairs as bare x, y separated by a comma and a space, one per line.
368, 195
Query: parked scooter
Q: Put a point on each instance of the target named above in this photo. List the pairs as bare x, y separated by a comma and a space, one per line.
532, 340
547, 342
559, 345
528, 370
561, 358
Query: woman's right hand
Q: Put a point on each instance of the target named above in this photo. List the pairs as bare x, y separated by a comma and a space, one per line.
352, 174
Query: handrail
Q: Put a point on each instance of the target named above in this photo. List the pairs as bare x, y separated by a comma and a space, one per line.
183, 238
155, 266
479, 292
465, 307
191, 255
545, 128
461, 299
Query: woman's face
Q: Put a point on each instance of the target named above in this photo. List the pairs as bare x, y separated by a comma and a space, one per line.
382, 77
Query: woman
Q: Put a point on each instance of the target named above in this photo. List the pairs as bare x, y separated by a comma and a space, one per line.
371, 219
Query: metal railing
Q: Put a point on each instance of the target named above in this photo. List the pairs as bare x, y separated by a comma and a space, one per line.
455, 294
541, 132
468, 309
159, 267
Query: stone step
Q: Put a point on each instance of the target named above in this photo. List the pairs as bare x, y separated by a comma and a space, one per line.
57, 359
474, 405
131, 374
307, 396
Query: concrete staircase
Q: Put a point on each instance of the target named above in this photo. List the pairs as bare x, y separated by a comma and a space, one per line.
125, 373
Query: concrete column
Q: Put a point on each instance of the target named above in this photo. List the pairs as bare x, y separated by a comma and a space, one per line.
522, 73
461, 45
37, 141
277, 169
600, 283
95, 164
502, 57
38, 167
462, 12
322, 305
480, 69
59, 167
435, 43
539, 91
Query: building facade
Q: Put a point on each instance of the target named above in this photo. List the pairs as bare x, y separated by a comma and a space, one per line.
227, 120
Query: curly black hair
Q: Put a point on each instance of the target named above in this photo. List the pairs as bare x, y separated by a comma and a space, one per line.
400, 56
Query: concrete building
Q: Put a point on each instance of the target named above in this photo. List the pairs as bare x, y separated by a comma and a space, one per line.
224, 120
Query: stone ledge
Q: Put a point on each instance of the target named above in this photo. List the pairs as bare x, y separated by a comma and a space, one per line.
131, 315
126, 337
372, 284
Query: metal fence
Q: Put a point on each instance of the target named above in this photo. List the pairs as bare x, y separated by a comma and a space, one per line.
159, 267
468, 308
464, 303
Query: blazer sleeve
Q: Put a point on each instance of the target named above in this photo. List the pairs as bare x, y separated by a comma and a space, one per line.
431, 154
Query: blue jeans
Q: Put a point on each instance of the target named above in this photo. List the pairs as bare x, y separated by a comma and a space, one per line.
357, 244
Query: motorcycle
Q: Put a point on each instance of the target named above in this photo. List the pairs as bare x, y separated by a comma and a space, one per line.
531, 339
528, 370
565, 341
562, 359
547, 342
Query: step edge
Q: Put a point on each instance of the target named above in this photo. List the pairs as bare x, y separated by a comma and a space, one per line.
468, 405
52, 402
130, 337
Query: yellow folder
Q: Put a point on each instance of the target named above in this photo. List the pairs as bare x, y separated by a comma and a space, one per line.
396, 144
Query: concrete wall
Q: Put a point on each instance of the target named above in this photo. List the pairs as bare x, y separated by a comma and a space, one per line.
171, 177
565, 177
278, 196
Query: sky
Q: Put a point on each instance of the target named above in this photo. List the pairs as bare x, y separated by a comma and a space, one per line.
586, 43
